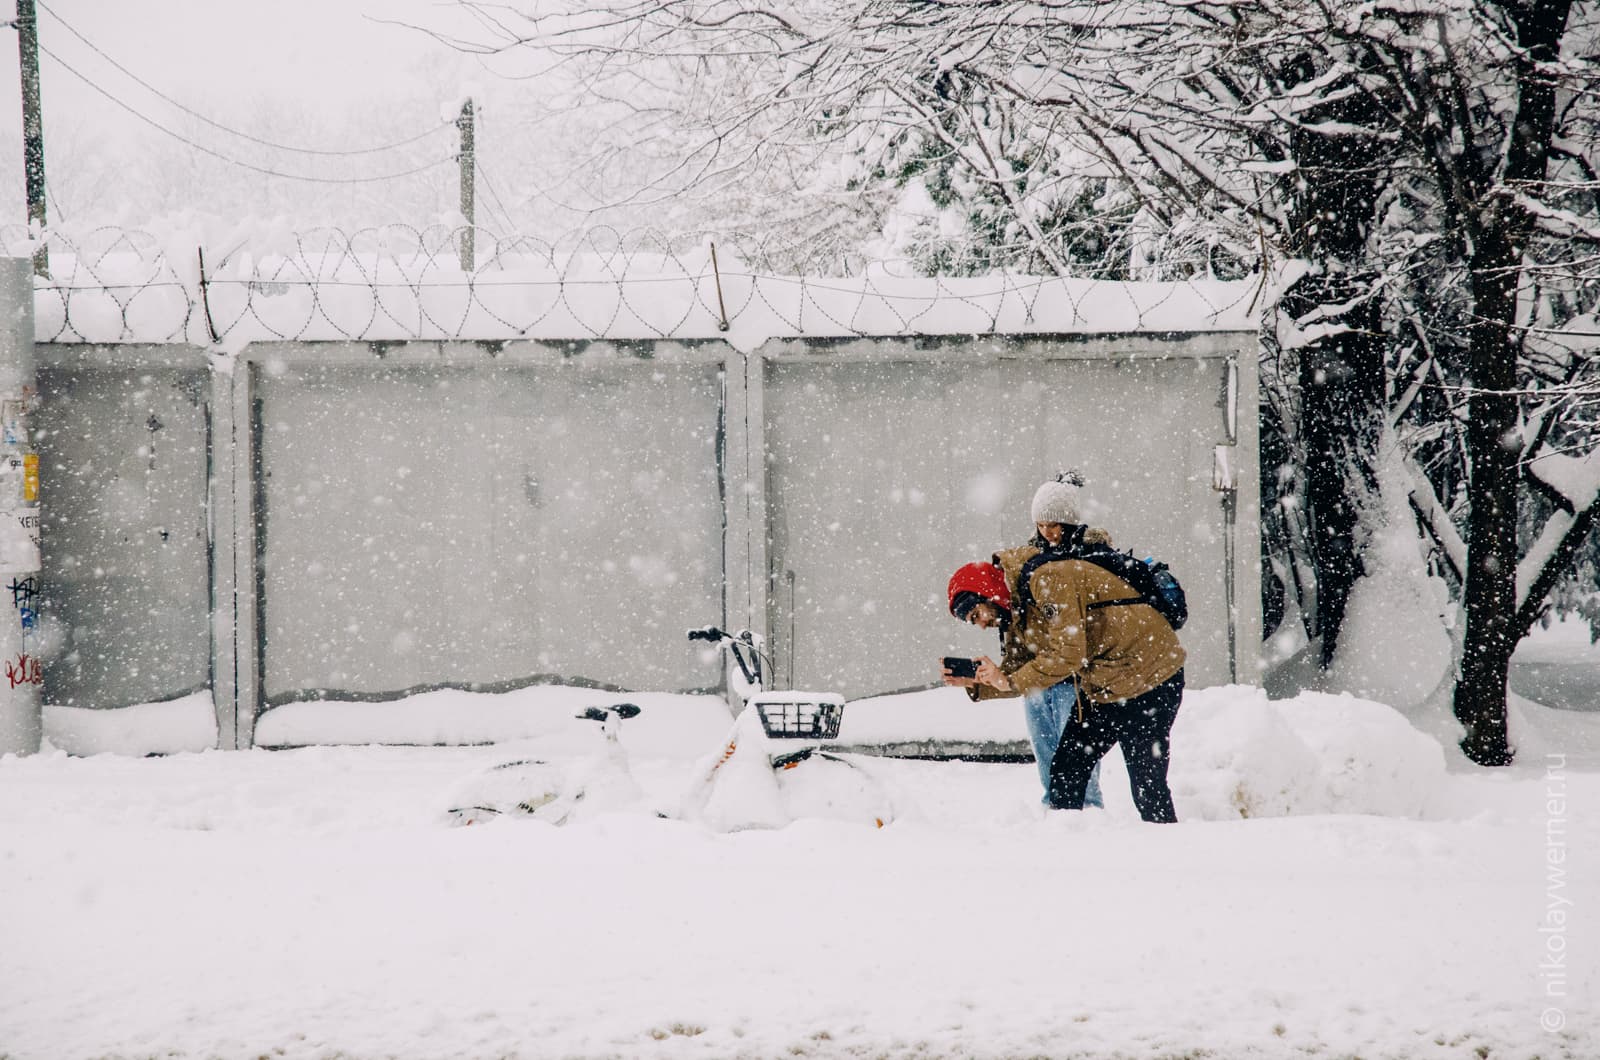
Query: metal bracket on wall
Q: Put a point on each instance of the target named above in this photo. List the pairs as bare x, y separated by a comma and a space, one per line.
1225, 480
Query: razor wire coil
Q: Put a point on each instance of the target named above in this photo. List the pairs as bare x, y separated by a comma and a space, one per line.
402, 282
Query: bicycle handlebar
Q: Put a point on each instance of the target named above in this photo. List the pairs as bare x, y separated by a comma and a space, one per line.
744, 647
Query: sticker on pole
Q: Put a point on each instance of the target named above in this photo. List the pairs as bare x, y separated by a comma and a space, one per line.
19, 541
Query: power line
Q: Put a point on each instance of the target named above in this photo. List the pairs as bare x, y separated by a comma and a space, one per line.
50, 190
234, 161
218, 125
505, 214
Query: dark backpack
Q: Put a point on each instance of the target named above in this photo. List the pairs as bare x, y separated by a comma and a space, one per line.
1150, 578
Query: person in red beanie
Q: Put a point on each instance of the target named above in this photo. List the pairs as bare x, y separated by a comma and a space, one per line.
979, 583
1125, 662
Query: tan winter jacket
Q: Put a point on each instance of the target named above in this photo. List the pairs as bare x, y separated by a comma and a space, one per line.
1115, 652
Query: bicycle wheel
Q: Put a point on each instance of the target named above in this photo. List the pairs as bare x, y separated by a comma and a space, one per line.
835, 788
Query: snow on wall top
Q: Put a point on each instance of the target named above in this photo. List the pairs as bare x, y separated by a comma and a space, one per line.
113, 286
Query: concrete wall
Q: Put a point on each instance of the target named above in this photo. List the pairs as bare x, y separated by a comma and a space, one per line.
123, 438
487, 520
363, 520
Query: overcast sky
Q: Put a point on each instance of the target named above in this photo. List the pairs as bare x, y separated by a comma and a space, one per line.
309, 113
235, 62
219, 52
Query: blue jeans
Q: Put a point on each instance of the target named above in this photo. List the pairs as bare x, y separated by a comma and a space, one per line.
1048, 712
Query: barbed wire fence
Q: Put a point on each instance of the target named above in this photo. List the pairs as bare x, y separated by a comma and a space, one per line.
402, 282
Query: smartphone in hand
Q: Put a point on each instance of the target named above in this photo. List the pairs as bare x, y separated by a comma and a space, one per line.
960, 667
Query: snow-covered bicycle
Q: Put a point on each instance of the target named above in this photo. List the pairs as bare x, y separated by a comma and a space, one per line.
772, 768
555, 792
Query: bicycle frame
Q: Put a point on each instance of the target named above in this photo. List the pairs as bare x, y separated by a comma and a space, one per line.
772, 732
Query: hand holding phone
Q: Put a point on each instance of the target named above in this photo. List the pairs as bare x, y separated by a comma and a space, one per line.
956, 666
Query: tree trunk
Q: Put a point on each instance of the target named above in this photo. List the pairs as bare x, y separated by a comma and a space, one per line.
1493, 446
1341, 390
1341, 372
1499, 230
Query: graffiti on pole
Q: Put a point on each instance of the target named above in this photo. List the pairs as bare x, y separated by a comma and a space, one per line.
23, 591
27, 670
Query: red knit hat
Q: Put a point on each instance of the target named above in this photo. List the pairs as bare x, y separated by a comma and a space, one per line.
983, 581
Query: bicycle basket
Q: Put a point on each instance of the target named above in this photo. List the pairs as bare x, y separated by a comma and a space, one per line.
799, 716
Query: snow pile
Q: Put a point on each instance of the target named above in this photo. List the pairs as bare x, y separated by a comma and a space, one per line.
940, 714
1236, 754
669, 724
170, 727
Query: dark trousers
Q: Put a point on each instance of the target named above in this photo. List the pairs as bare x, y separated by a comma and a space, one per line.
1143, 726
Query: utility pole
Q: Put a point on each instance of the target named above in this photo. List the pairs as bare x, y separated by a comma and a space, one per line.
21, 709
469, 169
32, 129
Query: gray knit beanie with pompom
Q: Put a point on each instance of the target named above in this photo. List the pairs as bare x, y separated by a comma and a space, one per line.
1057, 500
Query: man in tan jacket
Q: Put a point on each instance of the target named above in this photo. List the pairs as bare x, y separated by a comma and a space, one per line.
1074, 620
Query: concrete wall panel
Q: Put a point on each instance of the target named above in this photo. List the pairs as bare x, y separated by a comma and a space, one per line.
126, 586
432, 524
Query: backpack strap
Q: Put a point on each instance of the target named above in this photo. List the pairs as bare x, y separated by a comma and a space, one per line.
1023, 597
1117, 564
1073, 547
1119, 603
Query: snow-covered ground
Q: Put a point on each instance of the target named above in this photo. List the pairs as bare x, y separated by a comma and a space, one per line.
1559, 665
1339, 886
